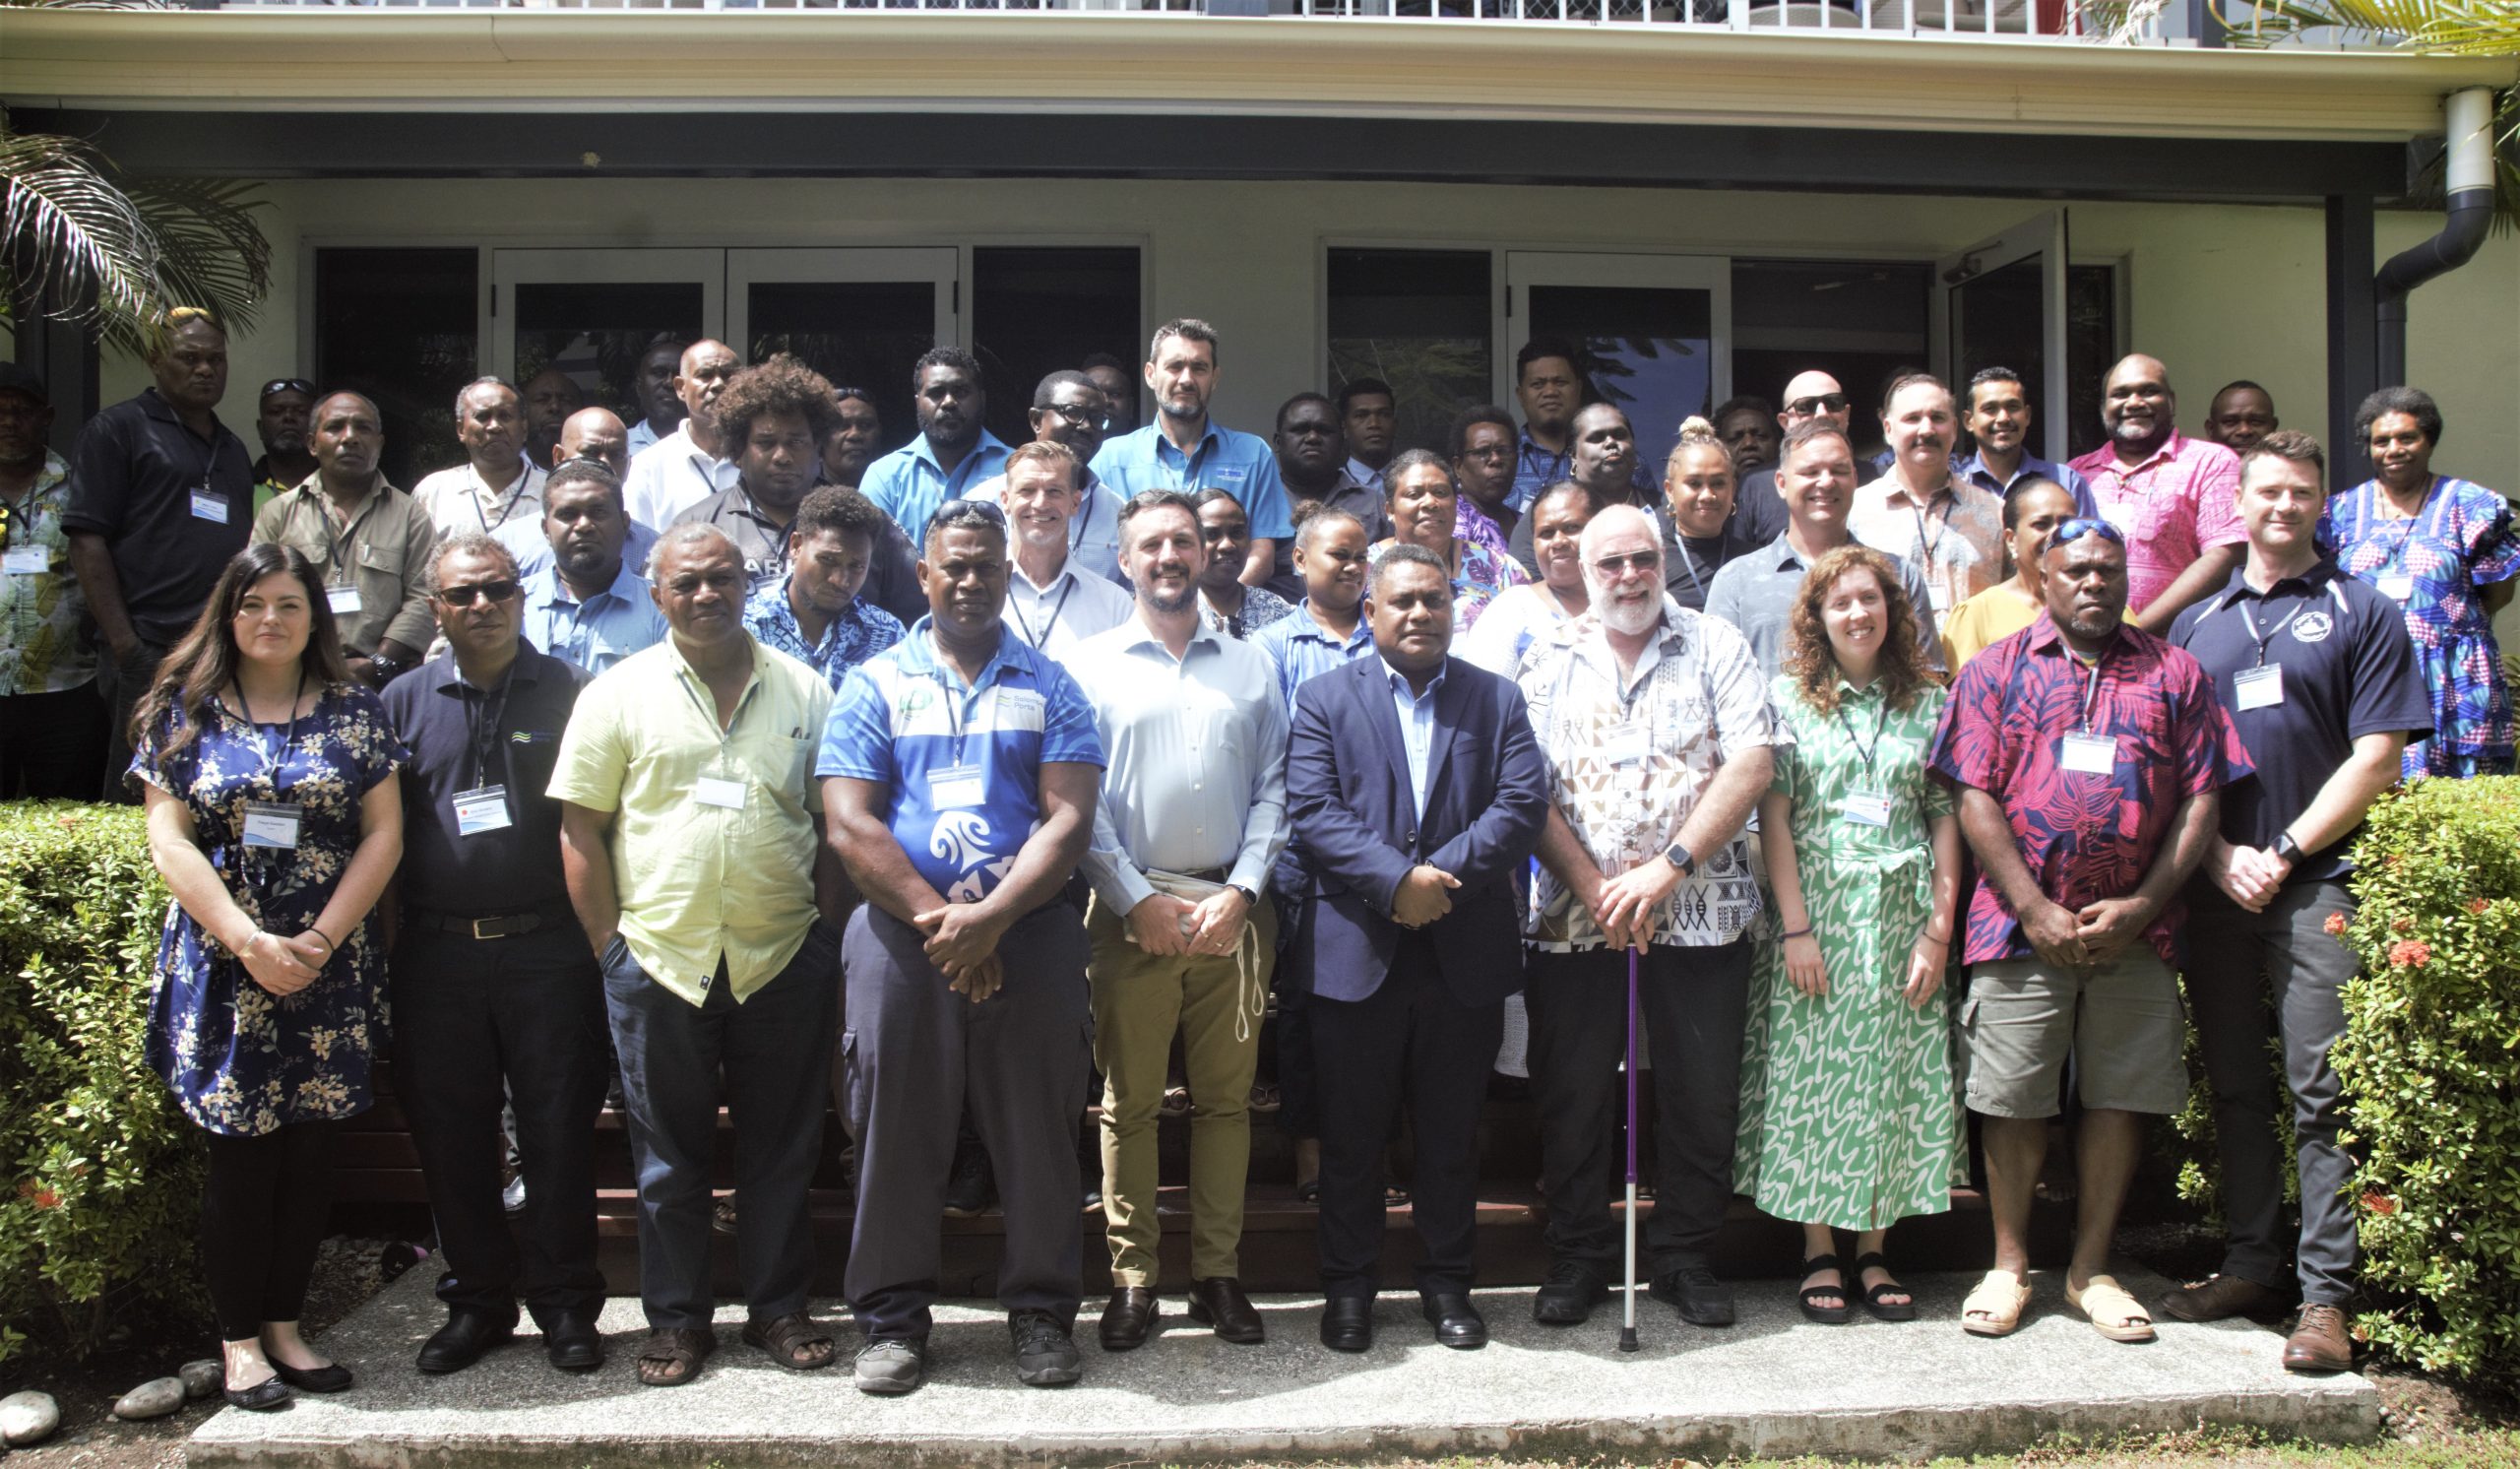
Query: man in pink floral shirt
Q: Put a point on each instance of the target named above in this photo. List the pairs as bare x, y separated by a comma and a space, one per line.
2174, 498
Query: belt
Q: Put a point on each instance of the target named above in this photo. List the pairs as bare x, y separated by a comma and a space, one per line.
496, 925
1210, 874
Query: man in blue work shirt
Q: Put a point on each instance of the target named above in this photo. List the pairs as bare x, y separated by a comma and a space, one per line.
952, 452
586, 602
1182, 450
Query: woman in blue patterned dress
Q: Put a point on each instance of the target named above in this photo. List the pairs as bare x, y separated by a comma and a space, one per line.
1425, 506
274, 818
1848, 1117
2444, 549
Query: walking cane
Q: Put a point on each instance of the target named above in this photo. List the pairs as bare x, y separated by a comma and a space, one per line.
1627, 1325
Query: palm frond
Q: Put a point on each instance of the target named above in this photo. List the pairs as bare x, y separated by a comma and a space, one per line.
210, 252
67, 236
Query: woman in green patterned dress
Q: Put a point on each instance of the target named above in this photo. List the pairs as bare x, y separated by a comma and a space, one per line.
1848, 1119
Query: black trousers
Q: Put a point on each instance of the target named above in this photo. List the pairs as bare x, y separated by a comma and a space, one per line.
1693, 1002
122, 682
263, 1212
52, 747
1409, 1038
477, 1022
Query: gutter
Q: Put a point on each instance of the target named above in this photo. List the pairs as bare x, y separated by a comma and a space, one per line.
2469, 115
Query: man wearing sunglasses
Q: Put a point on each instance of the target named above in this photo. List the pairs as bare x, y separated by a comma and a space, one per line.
496, 994
279, 421
1069, 410
2090, 759
1811, 397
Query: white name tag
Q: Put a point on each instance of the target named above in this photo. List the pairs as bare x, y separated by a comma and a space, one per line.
484, 808
1940, 596
2258, 688
210, 506
25, 560
1627, 743
344, 600
956, 786
271, 824
718, 791
2397, 586
2091, 755
1867, 808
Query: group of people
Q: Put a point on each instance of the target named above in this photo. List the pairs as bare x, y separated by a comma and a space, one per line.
938, 783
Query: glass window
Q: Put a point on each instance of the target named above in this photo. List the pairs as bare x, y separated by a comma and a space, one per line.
1419, 320
597, 332
1861, 322
402, 327
1039, 309
866, 335
2091, 349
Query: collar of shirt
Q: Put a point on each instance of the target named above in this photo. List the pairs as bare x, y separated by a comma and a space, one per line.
2311, 583
1302, 628
1588, 637
1527, 450
544, 589
1364, 475
1400, 681
1139, 635
1171, 457
2107, 461
1896, 495
918, 654
1976, 471
1041, 589
444, 678
154, 404
2045, 637
926, 453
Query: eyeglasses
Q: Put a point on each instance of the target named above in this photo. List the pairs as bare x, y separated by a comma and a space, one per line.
1084, 417
952, 510
1493, 453
2081, 526
1812, 408
1608, 566
288, 385
463, 595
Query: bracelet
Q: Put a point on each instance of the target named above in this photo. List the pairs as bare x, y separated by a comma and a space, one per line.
329, 946
1941, 938
1800, 932
242, 949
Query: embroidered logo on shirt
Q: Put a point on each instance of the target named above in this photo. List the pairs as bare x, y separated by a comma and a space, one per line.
2312, 627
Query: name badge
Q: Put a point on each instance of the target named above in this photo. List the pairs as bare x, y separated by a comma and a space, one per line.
25, 560
484, 808
211, 506
1940, 596
2091, 755
344, 600
718, 791
2397, 586
271, 824
1867, 808
956, 786
1627, 743
2258, 688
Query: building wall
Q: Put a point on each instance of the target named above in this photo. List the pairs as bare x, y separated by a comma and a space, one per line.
2215, 292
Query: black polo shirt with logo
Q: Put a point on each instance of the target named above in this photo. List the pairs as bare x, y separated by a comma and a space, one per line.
462, 738
133, 474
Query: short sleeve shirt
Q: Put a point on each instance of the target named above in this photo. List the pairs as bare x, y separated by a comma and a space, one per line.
463, 738
2171, 508
593, 632
1242, 465
172, 506
2347, 669
961, 764
1629, 760
760, 540
856, 634
43, 635
2084, 836
910, 483
1956, 541
379, 560
459, 502
1755, 592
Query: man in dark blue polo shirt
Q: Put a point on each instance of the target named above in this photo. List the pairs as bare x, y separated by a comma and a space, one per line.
2321, 682
496, 993
160, 496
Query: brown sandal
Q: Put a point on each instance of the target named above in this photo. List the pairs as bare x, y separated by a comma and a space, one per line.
794, 1341
671, 1356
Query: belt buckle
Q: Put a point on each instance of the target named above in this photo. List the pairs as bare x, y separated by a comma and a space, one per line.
490, 927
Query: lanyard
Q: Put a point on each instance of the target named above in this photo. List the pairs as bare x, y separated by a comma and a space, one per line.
2285, 629
523, 478
484, 721
335, 545
1927, 547
272, 757
2091, 688
1688, 563
1076, 528
1880, 723
1067, 577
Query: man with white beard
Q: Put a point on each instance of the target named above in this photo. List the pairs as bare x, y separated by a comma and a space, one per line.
1655, 726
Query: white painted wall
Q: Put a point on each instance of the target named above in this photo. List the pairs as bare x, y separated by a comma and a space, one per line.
2215, 292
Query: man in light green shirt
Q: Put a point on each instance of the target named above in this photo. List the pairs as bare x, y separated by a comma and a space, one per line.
691, 840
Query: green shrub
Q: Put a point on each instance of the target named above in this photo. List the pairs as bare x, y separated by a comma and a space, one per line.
101, 1174
2430, 1061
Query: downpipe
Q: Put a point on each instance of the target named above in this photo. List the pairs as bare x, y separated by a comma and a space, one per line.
2470, 139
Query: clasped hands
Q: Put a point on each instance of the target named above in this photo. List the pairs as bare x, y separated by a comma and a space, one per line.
2088, 939
1629, 906
1162, 924
962, 942
2249, 876
284, 965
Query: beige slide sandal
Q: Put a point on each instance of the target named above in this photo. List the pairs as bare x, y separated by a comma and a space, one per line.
1995, 1307
2114, 1312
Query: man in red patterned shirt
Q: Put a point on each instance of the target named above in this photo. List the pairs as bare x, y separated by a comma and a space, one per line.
2173, 498
2090, 757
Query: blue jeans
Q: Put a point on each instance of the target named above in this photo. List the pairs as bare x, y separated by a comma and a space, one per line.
773, 1053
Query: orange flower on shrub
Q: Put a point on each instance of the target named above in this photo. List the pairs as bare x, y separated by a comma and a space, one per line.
2409, 954
2379, 1203
2336, 925
2402, 924
38, 1195
2478, 906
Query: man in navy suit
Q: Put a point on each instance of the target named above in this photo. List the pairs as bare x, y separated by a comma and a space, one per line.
1418, 792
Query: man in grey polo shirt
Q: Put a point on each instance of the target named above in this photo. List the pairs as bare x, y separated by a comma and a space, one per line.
1815, 475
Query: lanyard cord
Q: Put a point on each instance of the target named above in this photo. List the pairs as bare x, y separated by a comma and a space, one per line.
272, 758
484, 720
1068, 574
523, 478
333, 546
1879, 723
2280, 631
2091, 688
1927, 547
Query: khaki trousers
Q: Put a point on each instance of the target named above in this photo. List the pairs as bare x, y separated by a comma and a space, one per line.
1139, 1000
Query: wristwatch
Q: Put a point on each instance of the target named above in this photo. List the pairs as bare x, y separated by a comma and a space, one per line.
1680, 856
384, 668
1250, 899
2286, 847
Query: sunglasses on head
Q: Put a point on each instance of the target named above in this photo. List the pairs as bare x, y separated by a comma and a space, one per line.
986, 510
2081, 526
1825, 403
288, 385
463, 595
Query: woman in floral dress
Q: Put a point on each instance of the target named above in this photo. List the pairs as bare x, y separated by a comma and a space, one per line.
1424, 504
1848, 1117
2444, 549
272, 815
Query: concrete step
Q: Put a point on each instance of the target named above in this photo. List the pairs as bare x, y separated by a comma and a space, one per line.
1774, 1386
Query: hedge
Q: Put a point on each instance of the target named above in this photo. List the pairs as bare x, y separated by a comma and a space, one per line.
102, 1175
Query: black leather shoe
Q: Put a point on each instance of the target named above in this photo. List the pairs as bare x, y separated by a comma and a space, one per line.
466, 1335
1129, 1317
330, 1378
1457, 1322
1695, 1293
1219, 1301
571, 1343
1347, 1323
266, 1397
1568, 1294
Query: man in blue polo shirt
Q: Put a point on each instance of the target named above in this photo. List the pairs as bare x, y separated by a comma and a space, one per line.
952, 452
1182, 450
1999, 420
2320, 679
960, 769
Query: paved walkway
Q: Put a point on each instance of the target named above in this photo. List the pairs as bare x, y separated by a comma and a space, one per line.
1774, 1384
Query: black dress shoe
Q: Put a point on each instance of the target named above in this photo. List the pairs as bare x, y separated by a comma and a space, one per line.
1457, 1322
571, 1343
1219, 1301
1129, 1317
466, 1335
1347, 1323
1568, 1295
1695, 1293
332, 1378
265, 1396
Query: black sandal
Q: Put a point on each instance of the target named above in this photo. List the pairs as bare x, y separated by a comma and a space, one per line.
1827, 1315
1873, 1306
